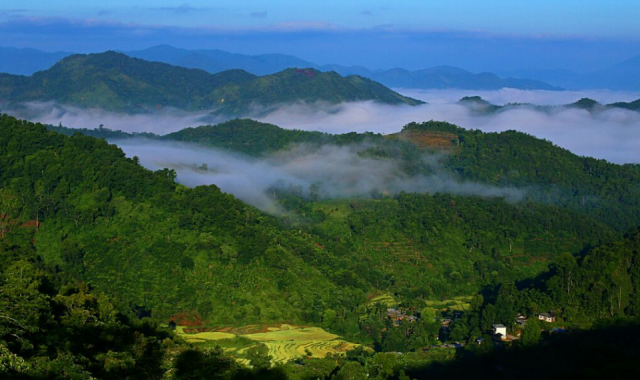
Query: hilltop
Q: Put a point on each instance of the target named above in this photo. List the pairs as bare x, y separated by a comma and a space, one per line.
116, 82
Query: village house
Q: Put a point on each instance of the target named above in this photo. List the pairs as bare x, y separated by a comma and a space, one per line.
499, 330
397, 315
521, 320
547, 317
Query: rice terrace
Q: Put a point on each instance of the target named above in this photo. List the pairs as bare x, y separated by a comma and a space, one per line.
284, 341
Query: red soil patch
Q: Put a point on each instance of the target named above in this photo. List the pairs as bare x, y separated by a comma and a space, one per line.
428, 139
307, 72
187, 319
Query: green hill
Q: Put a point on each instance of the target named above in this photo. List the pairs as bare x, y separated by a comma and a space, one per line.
548, 174
76, 209
116, 82
608, 192
634, 106
136, 234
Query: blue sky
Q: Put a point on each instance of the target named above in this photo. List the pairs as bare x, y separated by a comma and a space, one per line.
478, 35
575, 17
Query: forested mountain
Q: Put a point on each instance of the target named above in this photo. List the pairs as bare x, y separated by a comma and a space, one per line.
116, 82
635, 105
606, 191
75, 209
549, 174
28, 61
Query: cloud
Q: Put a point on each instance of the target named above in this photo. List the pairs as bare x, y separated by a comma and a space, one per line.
612, 134
262, 14
180, 9
164, 121
14, 13
338, 171
300, 26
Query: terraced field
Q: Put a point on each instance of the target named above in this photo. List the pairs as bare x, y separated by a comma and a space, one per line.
285, 342
207, 336
460, 303
384, 299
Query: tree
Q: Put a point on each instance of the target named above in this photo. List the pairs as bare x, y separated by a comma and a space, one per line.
259, 357
531, 333
351, 371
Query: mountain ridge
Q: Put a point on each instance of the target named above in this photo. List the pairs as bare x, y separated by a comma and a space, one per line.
117, 82
215, 60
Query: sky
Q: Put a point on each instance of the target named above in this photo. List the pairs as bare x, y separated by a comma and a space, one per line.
496, 35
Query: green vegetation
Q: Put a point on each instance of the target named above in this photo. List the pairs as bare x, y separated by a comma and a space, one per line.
98, 252
552, 175
116, 82
634, 106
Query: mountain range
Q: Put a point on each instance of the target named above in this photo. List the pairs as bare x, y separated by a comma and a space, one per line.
624, 76
477, 104
117, 82
215, 61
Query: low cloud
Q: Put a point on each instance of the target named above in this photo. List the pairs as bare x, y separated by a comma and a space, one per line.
612, 134
180, 9
160, 122
338, 171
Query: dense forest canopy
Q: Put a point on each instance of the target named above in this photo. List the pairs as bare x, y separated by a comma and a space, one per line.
116, 82
98, 252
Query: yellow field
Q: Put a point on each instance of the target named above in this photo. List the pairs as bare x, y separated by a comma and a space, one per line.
302, 333
205, 336
285, 342
283, 351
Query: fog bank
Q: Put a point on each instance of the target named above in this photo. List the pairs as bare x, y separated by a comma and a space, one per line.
335, 171
613, 134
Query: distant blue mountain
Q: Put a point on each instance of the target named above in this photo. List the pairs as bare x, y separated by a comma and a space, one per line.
215, 61
624, 76
27, 61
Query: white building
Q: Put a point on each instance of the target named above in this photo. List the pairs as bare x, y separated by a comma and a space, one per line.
547, 317
500, 330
